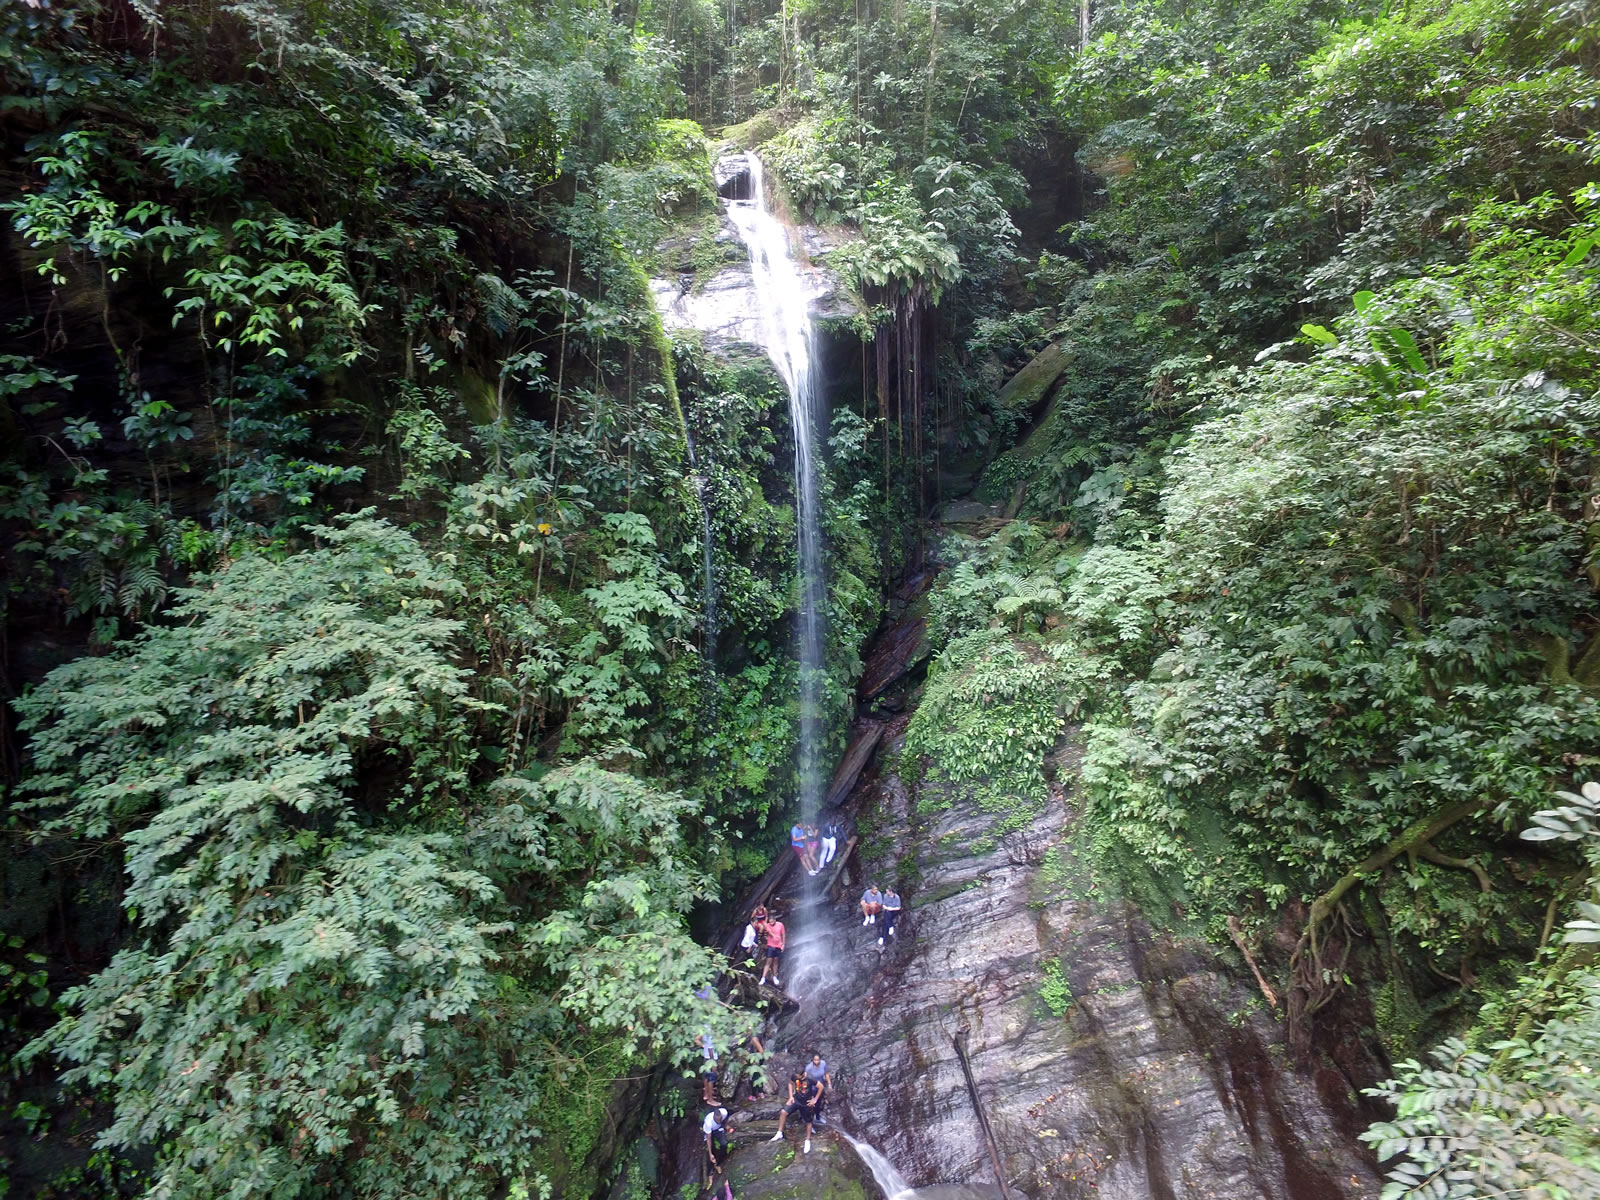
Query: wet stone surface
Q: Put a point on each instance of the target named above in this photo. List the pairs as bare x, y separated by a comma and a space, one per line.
765, 1170
1163, 1078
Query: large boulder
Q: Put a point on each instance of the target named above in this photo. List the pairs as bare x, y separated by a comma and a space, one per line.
766, 1170
1025, 390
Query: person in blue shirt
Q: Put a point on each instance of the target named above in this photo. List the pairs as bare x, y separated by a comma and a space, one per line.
871, 904
797, 843
817, 1072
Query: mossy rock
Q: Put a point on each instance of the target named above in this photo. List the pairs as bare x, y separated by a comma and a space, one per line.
747, 135
779, 1171
1025, 390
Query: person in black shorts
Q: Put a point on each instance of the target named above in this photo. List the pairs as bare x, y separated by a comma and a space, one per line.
715, 1127
804, 1096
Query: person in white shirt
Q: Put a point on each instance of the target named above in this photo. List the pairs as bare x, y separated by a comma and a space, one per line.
830, 840
755, 936
715, 1127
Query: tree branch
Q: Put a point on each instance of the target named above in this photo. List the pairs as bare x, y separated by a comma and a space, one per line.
1461, 864
1238, 940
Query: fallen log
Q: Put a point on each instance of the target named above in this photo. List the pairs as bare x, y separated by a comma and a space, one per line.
959, 1041
856, 757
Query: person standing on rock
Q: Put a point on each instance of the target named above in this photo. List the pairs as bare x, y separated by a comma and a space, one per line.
708, 1067
775, 936
871, 904
797, 843
804, 1096
830, 841
817, 1072
813, 844
755, 936
757, 1072
892, 907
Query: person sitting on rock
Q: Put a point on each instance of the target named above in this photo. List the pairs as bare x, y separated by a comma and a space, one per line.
871, 904
775, 935
804, 1097
892, 908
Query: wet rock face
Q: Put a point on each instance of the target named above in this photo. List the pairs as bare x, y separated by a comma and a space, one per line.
1113, 1061
719, 302
709, 288
903, 645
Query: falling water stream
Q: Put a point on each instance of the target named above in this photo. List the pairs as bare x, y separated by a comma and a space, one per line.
813, 963
890, 1182
789, 339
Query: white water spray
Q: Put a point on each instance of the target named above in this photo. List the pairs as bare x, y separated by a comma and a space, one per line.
789, 340
890, 1182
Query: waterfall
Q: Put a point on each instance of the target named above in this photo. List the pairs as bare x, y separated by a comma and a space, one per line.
890, 1182
789, 340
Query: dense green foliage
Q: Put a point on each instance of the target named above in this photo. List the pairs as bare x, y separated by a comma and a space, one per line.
356, 531
1326, 450
405, 809
324, 973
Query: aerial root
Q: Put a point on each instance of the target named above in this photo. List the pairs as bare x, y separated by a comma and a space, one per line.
1312, 979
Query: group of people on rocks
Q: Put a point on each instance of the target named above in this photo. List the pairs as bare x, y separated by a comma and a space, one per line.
763, 940
882, 909
809, 1089
815, 846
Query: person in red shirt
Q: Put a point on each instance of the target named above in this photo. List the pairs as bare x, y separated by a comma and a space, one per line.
775, 935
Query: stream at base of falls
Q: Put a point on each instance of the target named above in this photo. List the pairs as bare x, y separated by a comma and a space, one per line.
893, 1185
